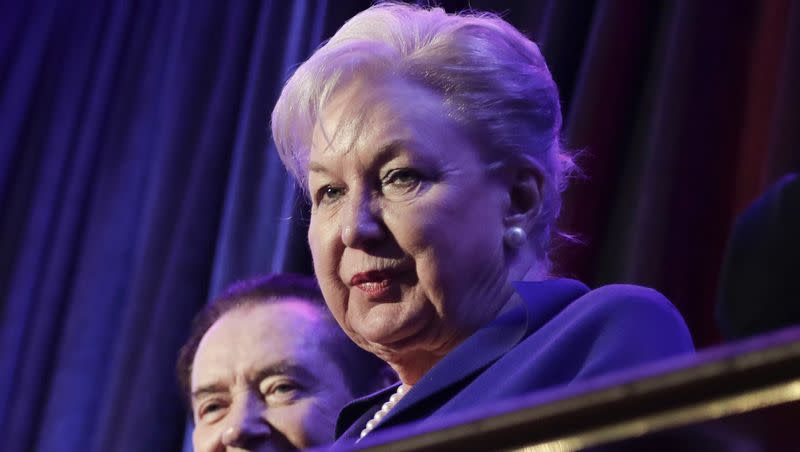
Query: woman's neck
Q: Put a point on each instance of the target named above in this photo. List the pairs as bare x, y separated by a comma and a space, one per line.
412, 363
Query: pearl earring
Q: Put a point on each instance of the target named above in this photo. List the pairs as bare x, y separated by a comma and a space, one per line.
515, 237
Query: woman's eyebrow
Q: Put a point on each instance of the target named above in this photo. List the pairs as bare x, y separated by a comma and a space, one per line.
315, 167
388, 151
384, 153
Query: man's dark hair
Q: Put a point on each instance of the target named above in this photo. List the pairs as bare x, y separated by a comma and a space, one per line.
362, 371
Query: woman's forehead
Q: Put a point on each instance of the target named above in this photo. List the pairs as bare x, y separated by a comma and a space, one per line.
370, 114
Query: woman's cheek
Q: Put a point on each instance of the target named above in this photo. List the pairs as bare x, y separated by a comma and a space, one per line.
334, 293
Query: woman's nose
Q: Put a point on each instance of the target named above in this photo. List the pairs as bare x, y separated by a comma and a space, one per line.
247, 428
361, 225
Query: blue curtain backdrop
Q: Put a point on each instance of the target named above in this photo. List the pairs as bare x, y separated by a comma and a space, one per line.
137, 175
137, 178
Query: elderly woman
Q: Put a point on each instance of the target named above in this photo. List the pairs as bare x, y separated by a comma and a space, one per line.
428, 145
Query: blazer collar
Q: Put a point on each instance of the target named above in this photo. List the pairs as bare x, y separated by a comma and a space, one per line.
361, 408
538, 303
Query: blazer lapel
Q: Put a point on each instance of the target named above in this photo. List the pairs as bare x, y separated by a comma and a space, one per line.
477, 352
540, 302
354, 415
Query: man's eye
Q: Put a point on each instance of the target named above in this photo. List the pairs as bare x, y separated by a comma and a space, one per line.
210, 410
284, 388
211, 407
281, 391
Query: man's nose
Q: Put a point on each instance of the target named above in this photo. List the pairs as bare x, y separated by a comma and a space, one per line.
361, 224
248, 426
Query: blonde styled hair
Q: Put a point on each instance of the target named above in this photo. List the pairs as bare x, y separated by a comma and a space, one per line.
493, 81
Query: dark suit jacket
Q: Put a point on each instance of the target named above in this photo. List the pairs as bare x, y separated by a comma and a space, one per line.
758, 284
561, 333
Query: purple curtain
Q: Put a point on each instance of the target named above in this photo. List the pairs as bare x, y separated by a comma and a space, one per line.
137, 178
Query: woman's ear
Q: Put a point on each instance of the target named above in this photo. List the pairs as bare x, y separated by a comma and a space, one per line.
524, 191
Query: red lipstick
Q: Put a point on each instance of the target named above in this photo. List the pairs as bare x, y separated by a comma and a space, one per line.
374, 283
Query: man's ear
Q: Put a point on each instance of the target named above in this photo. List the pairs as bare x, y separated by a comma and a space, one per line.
524, 183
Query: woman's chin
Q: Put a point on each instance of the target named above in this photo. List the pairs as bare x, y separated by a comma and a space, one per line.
387, 329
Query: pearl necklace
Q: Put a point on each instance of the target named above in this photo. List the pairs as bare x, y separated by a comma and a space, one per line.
401, 391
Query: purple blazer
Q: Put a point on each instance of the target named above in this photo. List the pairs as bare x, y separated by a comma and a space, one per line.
562, 333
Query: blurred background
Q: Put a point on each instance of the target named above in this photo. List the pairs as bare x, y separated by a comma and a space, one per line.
138, 178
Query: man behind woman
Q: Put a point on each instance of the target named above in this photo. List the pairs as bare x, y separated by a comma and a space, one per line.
267, 368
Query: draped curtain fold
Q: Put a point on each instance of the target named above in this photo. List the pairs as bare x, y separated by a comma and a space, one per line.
138, 178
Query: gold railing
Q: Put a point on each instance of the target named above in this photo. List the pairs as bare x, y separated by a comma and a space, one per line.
689, 398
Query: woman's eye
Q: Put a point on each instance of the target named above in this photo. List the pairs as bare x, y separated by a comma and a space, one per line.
402, 179
328, 194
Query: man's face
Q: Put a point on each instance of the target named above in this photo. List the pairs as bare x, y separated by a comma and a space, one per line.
261, 380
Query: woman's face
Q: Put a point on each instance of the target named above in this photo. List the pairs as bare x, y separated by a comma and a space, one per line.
406, 224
